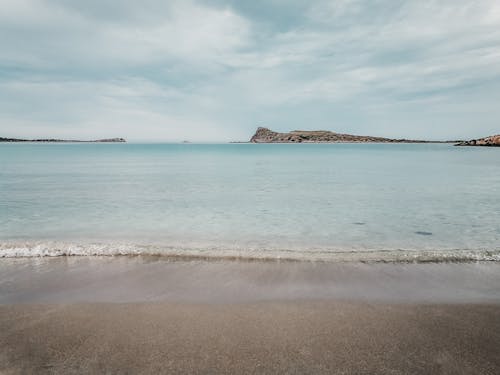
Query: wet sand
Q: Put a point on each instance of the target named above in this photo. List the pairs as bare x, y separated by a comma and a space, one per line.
159, 279
132, 315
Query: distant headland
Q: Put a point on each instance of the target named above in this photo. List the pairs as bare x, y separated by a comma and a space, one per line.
50, 140
265, 135
492, 141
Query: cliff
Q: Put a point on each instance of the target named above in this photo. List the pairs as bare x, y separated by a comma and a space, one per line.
264, 135
492, 141
109, 140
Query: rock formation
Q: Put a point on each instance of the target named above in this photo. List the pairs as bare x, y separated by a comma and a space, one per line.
492, 141
264, 135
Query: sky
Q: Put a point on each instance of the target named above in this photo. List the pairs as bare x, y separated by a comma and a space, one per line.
215, 70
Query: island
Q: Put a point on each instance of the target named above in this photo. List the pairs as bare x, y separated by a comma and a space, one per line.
50, 140
265, 135
491, 141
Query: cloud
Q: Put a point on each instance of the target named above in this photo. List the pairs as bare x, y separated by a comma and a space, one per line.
49, 35
214, 69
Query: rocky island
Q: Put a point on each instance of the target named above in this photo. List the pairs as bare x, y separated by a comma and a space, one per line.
264, 135
46, 140
492, 141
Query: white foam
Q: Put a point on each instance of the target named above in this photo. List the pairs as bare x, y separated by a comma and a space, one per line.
16, 249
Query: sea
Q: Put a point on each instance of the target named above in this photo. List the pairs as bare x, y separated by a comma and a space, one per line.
327, 202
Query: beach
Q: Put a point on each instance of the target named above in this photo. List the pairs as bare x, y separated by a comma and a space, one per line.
250, 187
272, 337
249, 258
154, 315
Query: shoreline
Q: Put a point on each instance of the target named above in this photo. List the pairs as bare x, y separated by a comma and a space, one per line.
51, 249
159, 279
453, 259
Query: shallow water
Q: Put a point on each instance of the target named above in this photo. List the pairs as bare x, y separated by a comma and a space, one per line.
256, 198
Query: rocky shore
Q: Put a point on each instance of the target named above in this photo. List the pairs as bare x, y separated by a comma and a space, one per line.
107, 140
264, 135
492, 141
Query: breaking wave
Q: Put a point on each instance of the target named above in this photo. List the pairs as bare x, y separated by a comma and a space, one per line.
57, 249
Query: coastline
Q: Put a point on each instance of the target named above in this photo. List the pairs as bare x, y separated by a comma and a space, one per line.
160, 258
54, 140
159, 279
53, 248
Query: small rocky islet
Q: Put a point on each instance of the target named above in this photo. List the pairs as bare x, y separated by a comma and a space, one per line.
265, 135
492, 141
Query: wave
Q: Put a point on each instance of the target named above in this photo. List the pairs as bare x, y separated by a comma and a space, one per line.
57, 249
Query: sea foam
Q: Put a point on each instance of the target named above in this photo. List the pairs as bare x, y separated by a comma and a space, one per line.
13, 249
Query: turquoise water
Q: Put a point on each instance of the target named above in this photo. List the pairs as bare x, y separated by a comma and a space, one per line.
249, 198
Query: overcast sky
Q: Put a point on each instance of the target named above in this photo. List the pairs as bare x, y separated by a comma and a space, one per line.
214, 70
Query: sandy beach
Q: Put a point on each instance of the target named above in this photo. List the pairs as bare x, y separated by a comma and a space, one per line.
151, 315
320, 337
